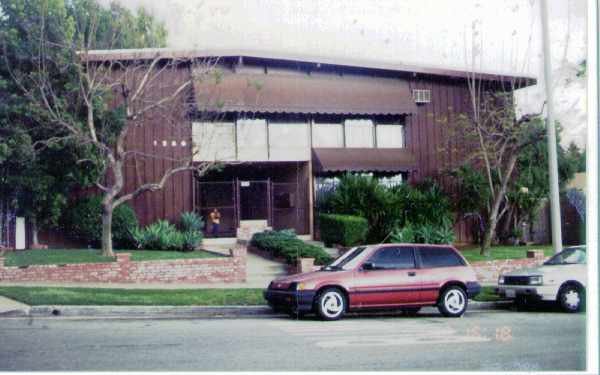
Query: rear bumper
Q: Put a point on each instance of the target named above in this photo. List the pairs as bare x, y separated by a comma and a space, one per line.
300, 300
473, 289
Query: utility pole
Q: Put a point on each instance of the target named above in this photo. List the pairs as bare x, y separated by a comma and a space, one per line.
551, 134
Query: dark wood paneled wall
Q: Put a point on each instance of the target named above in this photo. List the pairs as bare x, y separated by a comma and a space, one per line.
429, 137
147, 138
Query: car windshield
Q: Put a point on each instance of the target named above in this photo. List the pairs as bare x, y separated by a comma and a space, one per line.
573, 255
346, 261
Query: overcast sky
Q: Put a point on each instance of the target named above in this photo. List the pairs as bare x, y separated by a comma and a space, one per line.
428, 32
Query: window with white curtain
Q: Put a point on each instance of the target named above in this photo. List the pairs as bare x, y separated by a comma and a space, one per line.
390, 135
327, 135
213, 141
359, 133
252, 140
289, 141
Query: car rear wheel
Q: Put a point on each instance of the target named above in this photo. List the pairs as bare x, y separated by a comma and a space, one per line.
571, 298
331, 304
453, 302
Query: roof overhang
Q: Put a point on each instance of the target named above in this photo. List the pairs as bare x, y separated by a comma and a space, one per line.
516, 79
362, 160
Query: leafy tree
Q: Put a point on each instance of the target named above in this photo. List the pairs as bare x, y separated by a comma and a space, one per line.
39, 161
526, 190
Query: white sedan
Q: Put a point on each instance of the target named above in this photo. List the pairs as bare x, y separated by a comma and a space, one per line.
562, 278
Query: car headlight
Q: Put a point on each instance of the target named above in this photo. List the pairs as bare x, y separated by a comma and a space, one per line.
501, 279
535, 280
300, 286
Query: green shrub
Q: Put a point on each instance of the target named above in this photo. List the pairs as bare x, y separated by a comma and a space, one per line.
287, 245
160, 235
191, 225
405, 235
83, 220
423, 234
191, 240
444, 235
388, 208
190, 221
345, 230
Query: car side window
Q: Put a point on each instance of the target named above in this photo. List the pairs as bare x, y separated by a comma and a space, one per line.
393, 258
432, 257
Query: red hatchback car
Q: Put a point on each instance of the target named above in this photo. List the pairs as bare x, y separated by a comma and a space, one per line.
403, 276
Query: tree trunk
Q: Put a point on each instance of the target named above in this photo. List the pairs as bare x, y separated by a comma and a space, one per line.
107, 212
34, 232
490, 230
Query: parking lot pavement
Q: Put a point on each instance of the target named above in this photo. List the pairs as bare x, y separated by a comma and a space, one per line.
539, 339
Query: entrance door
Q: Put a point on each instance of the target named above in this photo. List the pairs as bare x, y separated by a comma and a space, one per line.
254, 202
219, 195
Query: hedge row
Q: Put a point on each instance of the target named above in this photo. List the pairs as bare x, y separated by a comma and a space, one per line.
345, 230
287, 245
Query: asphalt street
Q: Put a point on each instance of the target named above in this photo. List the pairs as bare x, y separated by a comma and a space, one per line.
542, 339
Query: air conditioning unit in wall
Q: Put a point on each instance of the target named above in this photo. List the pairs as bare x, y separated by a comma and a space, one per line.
421, 96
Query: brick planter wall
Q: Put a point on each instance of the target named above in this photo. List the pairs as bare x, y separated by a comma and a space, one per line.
228, 269
488, 271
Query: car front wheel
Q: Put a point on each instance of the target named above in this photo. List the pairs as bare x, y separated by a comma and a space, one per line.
331, 304
571, 298
453, 302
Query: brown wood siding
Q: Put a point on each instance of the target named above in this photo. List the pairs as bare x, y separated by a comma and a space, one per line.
427, 132
176, 196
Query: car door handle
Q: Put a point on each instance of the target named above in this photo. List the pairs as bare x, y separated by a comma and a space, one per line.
412, 274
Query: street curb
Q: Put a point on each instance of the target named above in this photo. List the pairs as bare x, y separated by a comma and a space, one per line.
152, 311
260, 311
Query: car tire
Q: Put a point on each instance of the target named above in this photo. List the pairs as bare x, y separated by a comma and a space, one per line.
453, 302
331, 304
410, 311
571, 298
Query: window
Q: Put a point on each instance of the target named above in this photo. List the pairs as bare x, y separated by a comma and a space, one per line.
359, 133
289, 141
348, 260
432, 257
393, 258
390, 135
422, 96
213, 141
327, 135
252, 139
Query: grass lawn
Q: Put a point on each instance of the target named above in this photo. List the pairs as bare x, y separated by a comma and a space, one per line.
67, 256
504, 252
123, 297
154, 297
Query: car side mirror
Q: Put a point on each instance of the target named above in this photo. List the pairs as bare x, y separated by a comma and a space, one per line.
368, 266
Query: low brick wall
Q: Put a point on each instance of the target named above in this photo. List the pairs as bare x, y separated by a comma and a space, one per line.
489, 271
229, 269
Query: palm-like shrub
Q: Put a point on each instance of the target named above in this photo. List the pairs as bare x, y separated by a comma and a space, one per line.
190, 221
387, 209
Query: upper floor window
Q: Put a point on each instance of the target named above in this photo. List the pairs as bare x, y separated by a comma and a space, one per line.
390, 135
359, 133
